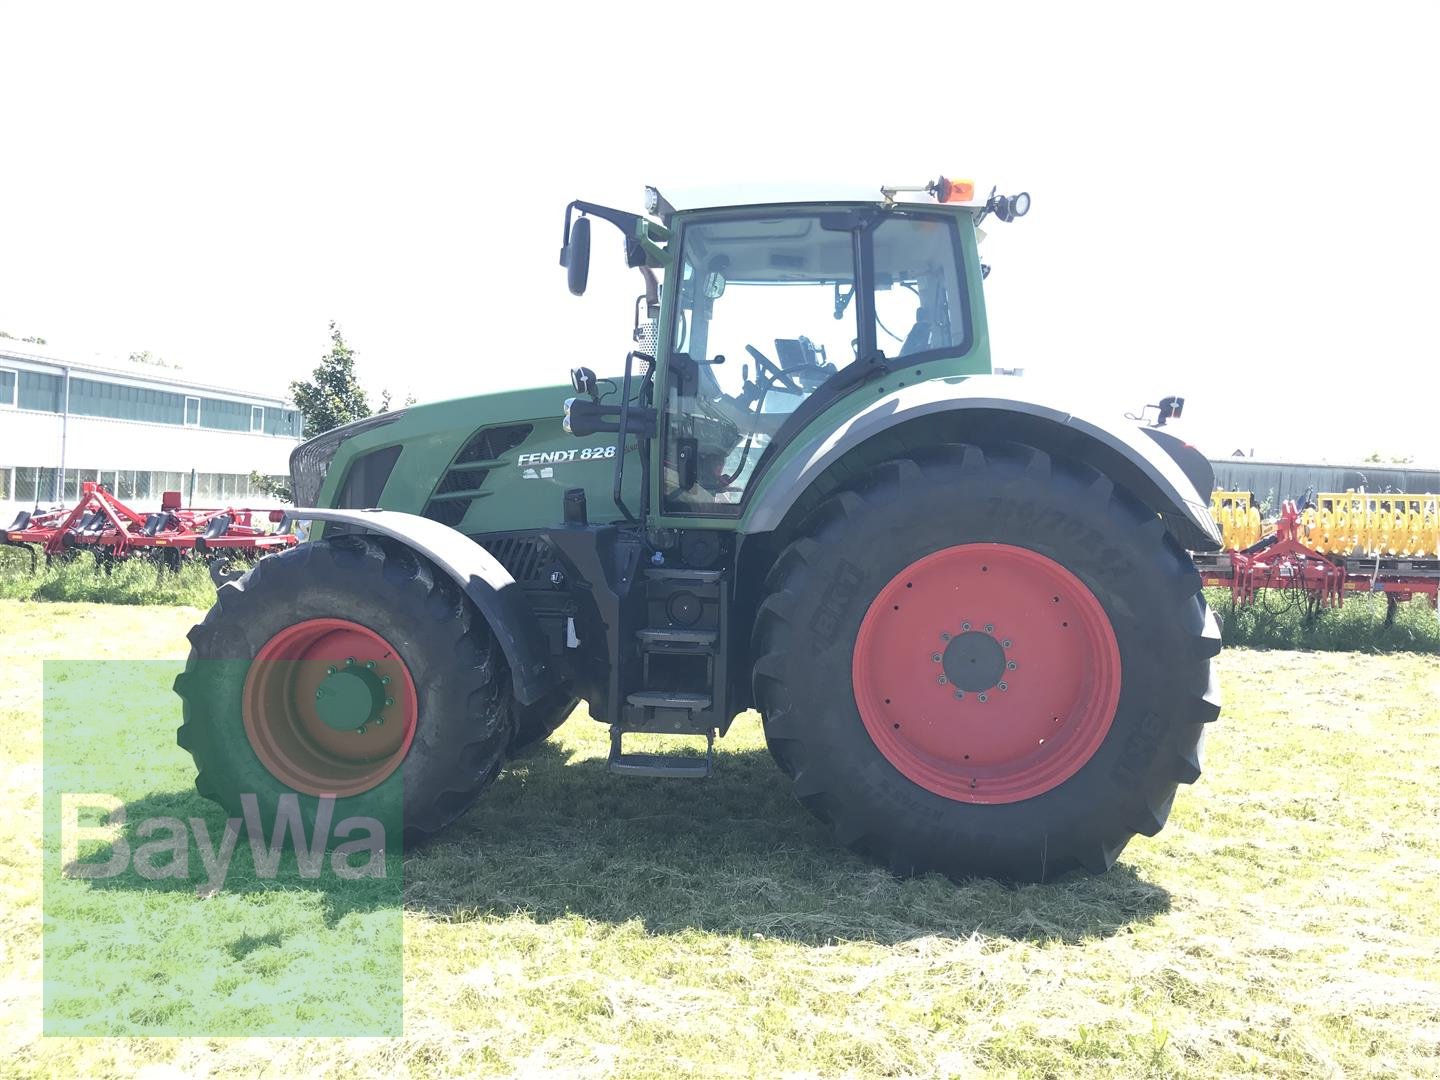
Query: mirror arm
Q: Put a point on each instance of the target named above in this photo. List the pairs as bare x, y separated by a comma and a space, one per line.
652, 292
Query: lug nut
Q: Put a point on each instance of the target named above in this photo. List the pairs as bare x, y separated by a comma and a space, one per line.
369, 665
379, 721
1005, 644
389, 701
964, 626
349, 661
1001, 685
1010, 666
329, 671
942, 680
360, 730
984, 698
935, 657
959, 695
384, 680
989, 628
944, 635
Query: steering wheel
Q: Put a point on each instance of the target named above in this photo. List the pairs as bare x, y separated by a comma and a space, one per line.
773, 371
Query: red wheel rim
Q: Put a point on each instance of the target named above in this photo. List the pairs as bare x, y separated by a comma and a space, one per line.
986, 673
329, 707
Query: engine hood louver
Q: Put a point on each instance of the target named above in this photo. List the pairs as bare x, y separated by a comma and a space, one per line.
463, 482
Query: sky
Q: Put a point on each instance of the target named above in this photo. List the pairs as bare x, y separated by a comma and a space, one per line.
1231, 202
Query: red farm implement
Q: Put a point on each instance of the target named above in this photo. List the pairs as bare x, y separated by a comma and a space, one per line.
107, 528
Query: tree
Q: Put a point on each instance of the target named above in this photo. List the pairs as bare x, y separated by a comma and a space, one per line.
277, 487
332, 396
1392, 459
385, 401
34, 340
147, 357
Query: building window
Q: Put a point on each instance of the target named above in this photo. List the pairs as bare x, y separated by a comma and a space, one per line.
5, 485
192, 412
35, 485
8, 381
222, 415
257, 418
38, 391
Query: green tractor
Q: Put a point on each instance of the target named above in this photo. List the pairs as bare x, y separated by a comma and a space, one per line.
966, 616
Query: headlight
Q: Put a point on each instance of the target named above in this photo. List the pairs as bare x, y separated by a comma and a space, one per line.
310, 461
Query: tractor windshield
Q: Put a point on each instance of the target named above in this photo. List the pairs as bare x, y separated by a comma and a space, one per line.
766, 316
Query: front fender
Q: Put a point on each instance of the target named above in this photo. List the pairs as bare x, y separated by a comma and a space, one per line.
998, 406
477, 572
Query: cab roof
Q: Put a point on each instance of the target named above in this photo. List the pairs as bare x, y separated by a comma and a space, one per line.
718, 197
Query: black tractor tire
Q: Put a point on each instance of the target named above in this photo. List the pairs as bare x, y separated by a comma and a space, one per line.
866, 539
536, 723
464, 708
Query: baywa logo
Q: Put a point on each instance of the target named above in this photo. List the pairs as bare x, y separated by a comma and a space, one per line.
170, 841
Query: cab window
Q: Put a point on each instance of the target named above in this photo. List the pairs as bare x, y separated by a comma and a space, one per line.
764, 319
919, 306
765, 316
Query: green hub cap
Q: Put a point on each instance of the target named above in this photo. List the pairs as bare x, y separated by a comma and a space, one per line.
349, 699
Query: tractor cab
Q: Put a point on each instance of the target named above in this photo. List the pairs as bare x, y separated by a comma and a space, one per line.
769, 313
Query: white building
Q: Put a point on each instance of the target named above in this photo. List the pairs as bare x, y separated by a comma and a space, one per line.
138, 431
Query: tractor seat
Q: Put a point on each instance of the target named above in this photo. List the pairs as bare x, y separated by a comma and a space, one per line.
918, 340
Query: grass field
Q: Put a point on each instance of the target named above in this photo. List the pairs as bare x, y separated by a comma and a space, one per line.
1284, 924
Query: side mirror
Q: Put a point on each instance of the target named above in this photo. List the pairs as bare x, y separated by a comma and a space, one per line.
576, 256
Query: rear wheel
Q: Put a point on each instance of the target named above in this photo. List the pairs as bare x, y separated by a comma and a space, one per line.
347, 667
986, 663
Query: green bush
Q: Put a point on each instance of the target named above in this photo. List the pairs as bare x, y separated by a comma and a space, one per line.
1278, 620
130, 581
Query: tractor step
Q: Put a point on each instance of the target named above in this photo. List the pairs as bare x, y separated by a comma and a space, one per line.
685, 768
669, 699
666, 637
680, 573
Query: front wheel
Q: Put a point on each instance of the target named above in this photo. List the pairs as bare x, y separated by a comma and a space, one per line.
983, 662
349, 668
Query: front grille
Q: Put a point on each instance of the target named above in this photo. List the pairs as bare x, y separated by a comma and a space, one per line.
366, 478
310, 461
488, 444
461, 480
447, 513
461, 483
523, 556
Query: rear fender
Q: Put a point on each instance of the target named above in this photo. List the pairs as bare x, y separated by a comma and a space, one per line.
487, 583
989, 408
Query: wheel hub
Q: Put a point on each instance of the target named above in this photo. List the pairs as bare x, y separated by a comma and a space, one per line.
349, 698
974, 660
